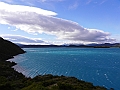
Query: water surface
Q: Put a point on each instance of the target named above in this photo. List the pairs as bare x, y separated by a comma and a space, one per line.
101, 66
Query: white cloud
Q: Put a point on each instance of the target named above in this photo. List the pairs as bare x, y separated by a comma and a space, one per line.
26, 9
23, 40
36, 20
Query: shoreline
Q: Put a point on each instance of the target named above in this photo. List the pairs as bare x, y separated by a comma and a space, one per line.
13, 80
17, 77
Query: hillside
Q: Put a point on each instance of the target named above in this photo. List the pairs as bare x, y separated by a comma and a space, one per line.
12, 80
9, 49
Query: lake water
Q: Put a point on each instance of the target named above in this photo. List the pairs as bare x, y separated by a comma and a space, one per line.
101, 66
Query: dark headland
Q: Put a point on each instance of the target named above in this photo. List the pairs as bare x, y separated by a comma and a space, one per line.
13, 80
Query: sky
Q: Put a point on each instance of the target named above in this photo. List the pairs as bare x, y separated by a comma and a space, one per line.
60, 21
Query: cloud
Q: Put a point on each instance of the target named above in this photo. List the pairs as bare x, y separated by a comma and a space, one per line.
89, 1
40, 1
23, 40
37, 21
51, 0
19, 9
95, 1
103, 1
74, 6
7, 1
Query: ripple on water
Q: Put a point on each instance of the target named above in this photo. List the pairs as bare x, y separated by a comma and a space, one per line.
99, 66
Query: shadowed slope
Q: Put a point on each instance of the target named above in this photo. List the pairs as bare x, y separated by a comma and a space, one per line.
9, 49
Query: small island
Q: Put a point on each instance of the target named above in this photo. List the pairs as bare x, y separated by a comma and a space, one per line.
13, 80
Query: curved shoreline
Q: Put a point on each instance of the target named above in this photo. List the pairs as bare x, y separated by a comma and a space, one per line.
13, 80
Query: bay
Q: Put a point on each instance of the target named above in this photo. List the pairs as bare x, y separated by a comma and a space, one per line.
101, 66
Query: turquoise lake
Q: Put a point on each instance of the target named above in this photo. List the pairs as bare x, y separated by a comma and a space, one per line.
101, 66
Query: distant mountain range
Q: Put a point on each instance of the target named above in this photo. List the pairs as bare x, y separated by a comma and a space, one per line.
105, 45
